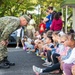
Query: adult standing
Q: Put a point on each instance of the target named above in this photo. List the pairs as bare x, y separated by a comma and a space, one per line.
20, 35
30, 27
48, 19
9, 24
57, 23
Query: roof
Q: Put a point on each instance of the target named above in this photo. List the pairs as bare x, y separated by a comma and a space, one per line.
70, 3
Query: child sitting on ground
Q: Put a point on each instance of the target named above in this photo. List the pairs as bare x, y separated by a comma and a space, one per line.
70, 61
27, 43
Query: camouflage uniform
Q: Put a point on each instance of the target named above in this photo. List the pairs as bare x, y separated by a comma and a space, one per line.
8, 24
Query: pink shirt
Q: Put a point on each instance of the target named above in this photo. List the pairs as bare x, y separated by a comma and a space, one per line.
56, 25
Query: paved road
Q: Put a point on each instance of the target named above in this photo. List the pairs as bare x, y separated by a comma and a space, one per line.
23, 61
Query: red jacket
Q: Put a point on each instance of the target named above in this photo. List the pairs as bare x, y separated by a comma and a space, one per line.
42, 27
56, 25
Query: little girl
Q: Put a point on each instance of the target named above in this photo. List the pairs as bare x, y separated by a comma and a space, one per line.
27, 43
68, 63
42, 26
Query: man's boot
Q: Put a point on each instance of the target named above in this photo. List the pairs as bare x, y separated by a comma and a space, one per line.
3, 65
8, 62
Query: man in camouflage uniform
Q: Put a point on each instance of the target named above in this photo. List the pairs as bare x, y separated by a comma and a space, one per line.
9, 24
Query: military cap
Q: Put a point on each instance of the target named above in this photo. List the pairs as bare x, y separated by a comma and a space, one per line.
26, 17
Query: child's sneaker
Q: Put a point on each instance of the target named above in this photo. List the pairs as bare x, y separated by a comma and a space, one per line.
17, 47
47, 64
23, 48
28, 52
43, 58
37, 70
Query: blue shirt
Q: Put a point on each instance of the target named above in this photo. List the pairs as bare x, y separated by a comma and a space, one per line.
49, 22
52, 46
68, 55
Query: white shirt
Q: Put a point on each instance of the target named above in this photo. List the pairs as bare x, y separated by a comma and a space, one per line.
18, 32
71, 59
32, 22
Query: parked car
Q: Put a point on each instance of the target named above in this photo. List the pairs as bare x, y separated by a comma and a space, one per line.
12, 38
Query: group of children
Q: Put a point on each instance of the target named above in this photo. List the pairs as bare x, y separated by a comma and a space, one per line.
56, 49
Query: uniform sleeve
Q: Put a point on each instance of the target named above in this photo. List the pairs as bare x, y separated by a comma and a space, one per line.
12, 26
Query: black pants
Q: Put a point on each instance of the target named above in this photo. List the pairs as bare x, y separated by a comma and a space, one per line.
54, 56
49, 56
56, 65
52, 68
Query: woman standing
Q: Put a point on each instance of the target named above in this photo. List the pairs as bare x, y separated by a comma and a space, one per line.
57, 23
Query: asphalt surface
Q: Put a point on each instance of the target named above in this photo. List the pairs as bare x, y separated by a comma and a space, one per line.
23, 63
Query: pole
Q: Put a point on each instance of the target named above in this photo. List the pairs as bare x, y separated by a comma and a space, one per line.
73, 19
66, 19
